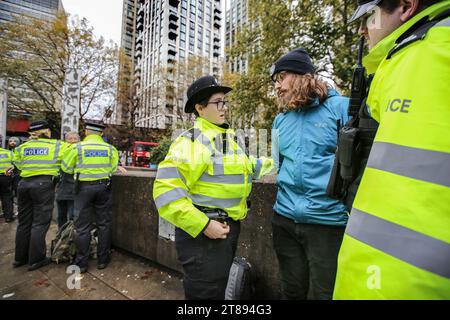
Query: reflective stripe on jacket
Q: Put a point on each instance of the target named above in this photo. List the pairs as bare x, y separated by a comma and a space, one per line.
206, 167
397, 242
93, 159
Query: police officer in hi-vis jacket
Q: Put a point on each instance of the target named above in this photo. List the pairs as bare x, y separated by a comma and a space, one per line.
202, 188
397, 241
39, 160
92, 161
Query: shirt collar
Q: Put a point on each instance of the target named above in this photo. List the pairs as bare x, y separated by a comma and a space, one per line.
204, 124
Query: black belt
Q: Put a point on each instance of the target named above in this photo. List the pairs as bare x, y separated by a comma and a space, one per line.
39, 177
95, 182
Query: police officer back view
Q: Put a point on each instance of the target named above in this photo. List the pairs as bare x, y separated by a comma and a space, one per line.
92, 161
6, 184
39, 161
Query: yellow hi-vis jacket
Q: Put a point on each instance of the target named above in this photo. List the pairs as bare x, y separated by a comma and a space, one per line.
199, 170
6, 157
93, 159
39, 157
397, 241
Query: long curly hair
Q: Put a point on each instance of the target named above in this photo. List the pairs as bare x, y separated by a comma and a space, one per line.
306, 88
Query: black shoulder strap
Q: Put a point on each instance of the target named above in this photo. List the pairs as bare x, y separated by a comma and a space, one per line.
417, 32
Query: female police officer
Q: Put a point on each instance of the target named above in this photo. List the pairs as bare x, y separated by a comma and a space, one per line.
202, 188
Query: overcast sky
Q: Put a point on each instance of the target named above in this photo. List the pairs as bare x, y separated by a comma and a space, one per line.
105, 16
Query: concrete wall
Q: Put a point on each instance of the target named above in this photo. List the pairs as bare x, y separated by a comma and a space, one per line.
135, 228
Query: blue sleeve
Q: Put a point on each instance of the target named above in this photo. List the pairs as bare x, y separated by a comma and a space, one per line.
275, 144
344, 111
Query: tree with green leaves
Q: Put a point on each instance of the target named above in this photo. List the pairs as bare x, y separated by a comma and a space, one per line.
159, 153
34, 57
128, 102
277, 26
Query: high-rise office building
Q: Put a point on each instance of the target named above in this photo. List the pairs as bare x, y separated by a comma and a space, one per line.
236, 17
127, 61
128, 26
174, 41
39, 9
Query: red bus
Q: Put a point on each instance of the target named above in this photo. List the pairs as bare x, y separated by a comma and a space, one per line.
141, 153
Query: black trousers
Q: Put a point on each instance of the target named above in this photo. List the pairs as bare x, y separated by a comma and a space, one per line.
15, 181
36, 196
6, 195
206, 262
93, 203
307, 256
65, 211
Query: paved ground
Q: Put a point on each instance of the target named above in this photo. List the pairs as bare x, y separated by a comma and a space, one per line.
127, 277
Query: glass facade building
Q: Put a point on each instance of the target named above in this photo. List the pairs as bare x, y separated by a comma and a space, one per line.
167, 36
39, 9
236, 17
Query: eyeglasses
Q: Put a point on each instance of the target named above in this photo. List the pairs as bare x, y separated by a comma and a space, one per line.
220, 105
279, 77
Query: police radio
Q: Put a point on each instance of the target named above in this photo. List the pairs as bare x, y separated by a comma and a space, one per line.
358, 89
346, 163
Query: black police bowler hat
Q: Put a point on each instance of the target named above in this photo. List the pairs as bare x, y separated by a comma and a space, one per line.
38, 125
202, 88
94, 125
364, 6
296, 61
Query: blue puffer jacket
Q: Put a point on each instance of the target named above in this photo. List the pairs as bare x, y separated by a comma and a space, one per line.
304, 142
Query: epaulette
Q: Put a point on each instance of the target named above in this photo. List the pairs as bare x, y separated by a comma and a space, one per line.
191, 134
417, 32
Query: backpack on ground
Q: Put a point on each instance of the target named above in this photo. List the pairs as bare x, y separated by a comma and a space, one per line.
63, 248
240, 284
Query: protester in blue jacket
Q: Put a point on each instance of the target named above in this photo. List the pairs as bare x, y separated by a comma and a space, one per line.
308, 226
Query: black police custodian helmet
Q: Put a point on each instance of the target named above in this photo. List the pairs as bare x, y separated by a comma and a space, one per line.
201, 89
38, 125
296, 61
95, 125
364, 6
